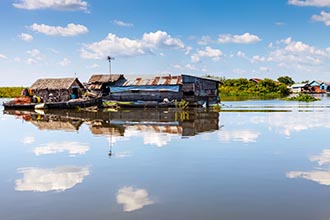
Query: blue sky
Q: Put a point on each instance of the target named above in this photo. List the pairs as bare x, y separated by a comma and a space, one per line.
225, 38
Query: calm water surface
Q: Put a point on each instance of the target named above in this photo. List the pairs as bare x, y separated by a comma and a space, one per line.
253, 160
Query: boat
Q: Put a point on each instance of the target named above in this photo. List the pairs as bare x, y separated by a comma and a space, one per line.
71, 104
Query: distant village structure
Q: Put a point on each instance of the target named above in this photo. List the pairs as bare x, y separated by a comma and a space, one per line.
167, 88
58, 89
314, 87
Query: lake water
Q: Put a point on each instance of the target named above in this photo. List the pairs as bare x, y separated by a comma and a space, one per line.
253, 160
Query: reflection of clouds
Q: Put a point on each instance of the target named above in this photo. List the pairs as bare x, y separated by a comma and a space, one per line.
157, 139
133, 199
323, 158
71, 147
286, 123
149, 136
123, 154
28, 140
43, 180
241, 136
321, 177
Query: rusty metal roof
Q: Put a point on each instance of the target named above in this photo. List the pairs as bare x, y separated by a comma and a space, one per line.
155, 81
102, 78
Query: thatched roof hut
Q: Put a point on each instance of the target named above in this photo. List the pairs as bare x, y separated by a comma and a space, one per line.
100, 83
59, 89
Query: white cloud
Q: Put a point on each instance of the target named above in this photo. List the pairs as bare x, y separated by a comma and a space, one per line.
315, 3
323, 17
258, 58
31, 61
2, 56
264, 69
186, 67
241, 54
245, 38
133, 199
209, 52
71, 147
204, 40
25, 37
65, 62
93, 66
68, 31
28, 140
245, 136
126, 47
44, 180
34, 53
296, 54
62, 5
122, 23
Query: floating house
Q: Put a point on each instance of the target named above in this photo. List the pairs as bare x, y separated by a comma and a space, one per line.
195, 90
315, 86
299, 87
100, 83
58, 89
325, 87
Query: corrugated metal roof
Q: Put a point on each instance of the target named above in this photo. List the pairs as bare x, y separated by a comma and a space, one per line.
102, 78
156, 80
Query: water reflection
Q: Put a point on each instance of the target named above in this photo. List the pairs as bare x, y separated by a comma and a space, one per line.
44, 180
321, 174
244, 136
73, 148
125, 123
133, 198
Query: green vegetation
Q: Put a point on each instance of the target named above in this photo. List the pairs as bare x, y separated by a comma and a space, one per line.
302, 98
243, 88
10, 92
287, 80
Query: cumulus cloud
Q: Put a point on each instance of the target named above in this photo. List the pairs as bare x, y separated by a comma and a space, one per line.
122, 23
209, 52
321, 177
323, 17
186, 67
315, 3
2, 56
133, 198
25, 37
204, 40
44, 180
126, 47
290, 52
71, 147
61, 5
68, 31
65, 62
245, 38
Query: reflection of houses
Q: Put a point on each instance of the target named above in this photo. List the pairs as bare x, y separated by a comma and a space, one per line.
60, 88
101, 83
183, 123
157, 88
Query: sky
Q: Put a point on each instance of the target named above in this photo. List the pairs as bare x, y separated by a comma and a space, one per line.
223, 38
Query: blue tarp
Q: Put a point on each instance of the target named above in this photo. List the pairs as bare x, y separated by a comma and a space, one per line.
159, 88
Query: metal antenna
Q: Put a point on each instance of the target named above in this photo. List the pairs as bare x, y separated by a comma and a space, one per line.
109, 59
